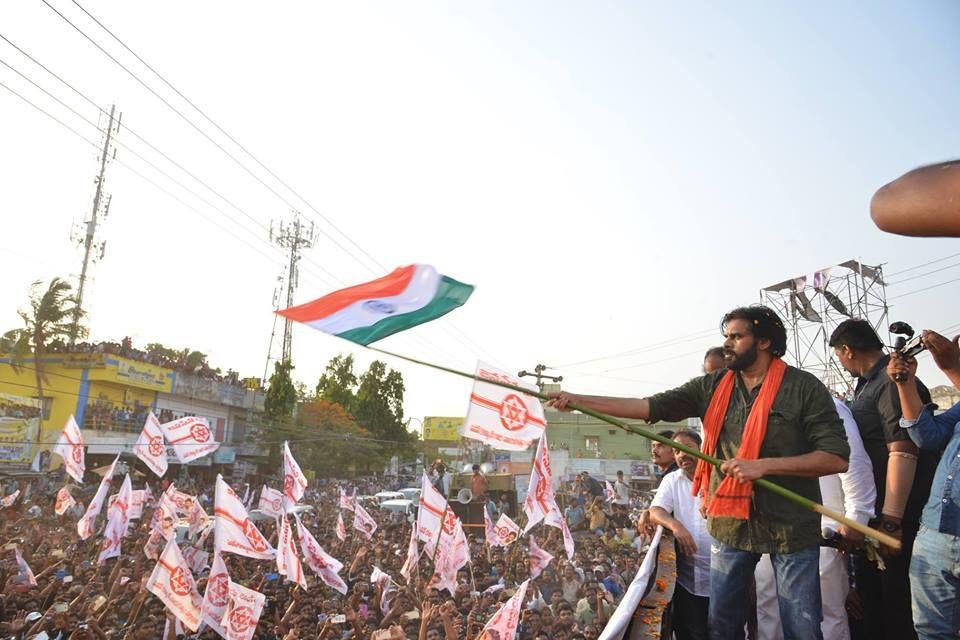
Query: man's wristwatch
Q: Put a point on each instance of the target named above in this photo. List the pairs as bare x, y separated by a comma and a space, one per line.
889, 526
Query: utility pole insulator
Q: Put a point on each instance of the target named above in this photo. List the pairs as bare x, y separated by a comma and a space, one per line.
538, 373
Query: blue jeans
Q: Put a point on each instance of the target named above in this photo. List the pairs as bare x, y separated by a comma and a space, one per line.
797, 577
935, 583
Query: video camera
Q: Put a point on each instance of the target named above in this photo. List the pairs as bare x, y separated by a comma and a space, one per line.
906, 344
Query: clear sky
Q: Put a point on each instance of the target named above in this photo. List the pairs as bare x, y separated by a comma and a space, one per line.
609, 175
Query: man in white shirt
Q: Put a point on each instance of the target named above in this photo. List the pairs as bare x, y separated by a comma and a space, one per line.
675, 508
854, 493
622, 489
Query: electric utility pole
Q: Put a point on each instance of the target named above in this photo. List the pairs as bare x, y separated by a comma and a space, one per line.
93, 250
540, 376
293, 236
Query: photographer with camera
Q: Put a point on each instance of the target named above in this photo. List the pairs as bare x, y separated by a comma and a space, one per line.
935, 568
903, 476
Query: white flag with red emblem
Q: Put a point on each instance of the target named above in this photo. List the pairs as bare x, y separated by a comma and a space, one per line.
347, 502
172, 582
288, 561
538, 559
85, 524
64, 501
503, 418
433, 511
197, 559
70, 448
364, 522
118, 519
190, 437
198, 518
506, 531
7, 501
216, 596
234, 531
150, 448
322, 563
136, 504
413, 555
165, 515
24, 574
489, 530
294, 482
341, 529
244, 607
271, 502
540, 503
503, 624
610, 493
568, 545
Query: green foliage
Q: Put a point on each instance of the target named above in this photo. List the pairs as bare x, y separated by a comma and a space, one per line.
281, 398
338, 382
48, 319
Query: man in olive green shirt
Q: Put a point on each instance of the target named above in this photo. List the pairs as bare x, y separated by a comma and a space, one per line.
804, 440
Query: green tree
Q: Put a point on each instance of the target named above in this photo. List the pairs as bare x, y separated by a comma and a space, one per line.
48, 319
281, 398
338, 383
379, 404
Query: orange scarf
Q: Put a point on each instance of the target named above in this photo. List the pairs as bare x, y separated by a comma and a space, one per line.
732, 499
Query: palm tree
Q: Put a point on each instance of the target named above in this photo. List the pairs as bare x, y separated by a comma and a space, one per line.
48, 319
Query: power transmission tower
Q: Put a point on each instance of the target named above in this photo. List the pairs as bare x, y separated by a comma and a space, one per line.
539, 375
293, 236
92, 250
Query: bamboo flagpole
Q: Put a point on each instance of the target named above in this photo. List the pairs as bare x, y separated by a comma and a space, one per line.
796, 498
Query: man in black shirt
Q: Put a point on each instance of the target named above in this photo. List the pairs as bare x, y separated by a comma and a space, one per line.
903, 476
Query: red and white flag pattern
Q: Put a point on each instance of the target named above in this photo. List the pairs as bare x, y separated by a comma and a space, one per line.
433, 511
7, 501
538, 559
136, 503
503, 624
500, 417
234, 531
165, 515
85, 524
413, 556
347, 502
197, 559
172, 582
118, 519
150, 448
216, 596
24, 574
568, 545
271, 502
341, 528
190, 437
243, 612
540, 503
363, 522
198, 518
322, 563
506, 531
611, 495
70, 448
294, 482
64, 501
288, 562
489, 530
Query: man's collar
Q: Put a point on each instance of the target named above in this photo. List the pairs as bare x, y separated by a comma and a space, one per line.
876, 369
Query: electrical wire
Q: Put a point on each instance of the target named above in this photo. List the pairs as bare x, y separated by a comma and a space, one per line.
934, 286
925, 264
924, 274
654, 346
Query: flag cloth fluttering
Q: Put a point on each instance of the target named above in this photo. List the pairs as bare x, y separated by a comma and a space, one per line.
501, 417
70, 448
150, 448
294, 482
234, 531
271, 502
216, 595
85, 524
172, 582
373, 310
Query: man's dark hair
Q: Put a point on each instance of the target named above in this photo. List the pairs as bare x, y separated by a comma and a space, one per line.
857, 334
476, 467
764, 323
690, 433
713, 352
666, 433
564, 606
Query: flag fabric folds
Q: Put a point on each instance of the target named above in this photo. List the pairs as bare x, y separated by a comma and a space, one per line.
85, 524
540, 503
118, 519
373, 310
216, 595
172, 582
364, 522
294, 482
64, 501
341, 528
271, 502
500, 417
503, 624
234, 531
70, 448
243, 612
538, 559
190, 437
150, 448
506, 531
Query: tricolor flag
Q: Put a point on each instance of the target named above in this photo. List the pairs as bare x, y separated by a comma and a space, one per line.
216, 595
70, 448
234, 531
501, 417
374, 310
538, 559
172, 582
149, 446
294, 482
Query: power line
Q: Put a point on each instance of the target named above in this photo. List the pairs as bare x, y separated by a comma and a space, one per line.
910, 293
924, 274
654, 346
925, 264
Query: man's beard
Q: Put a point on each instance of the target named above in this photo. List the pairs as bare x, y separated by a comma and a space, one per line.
742, 361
